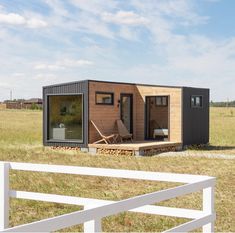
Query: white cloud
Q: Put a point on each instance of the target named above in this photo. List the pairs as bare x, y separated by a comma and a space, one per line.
5, 85
84, 18
167, 16
182, 9
174, 11
12, 18
95, 7
3, 33
58, 7
16, 19
18, 74
45, 77
204, 57
92, 25
164, 50
75, 63
48, 67
128, 34
63, 64
36, 23
124, 18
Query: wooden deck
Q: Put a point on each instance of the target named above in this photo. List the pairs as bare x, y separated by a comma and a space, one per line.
135, 148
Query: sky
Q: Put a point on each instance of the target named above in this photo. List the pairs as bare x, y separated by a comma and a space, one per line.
163, 42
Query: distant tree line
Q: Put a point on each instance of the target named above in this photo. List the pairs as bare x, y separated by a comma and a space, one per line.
14, 100
223, 104
33, 104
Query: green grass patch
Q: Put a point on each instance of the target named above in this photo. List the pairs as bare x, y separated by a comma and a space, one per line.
20, 140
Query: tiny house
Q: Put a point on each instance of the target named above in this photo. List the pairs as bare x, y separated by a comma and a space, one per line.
151, 113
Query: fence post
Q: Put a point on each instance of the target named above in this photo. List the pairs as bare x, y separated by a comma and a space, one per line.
208, 207
93, 226
4, 195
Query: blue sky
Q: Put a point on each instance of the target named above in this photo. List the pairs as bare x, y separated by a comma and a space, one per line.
165, 42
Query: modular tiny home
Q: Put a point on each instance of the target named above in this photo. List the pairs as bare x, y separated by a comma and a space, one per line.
155, 115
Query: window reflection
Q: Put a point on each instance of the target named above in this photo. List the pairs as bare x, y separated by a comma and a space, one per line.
65, 118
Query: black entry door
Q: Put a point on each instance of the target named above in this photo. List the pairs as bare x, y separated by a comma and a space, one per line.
126, 104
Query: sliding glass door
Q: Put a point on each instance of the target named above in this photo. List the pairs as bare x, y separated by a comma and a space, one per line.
157, 118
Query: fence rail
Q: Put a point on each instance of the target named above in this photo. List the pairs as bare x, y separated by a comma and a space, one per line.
95, 209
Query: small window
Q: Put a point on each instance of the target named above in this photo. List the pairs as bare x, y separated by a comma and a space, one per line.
161, 101
196, 101
105, 98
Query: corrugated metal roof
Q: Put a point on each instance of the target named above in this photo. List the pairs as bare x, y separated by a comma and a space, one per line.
114, 82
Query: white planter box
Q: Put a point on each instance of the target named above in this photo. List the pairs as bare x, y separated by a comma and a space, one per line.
59, 133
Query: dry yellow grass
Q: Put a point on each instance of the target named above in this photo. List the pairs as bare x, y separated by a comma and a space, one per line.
20, 140
222, 130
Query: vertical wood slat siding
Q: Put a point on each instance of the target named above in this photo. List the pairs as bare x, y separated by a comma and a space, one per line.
108, 113
175, 108
70, 88
195, 120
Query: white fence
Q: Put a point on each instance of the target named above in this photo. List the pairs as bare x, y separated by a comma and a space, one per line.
95, 210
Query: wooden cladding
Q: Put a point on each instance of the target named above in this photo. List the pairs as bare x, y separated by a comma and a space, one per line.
109, 114
175, 109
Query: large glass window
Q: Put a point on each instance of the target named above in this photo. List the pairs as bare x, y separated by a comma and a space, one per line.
65, 117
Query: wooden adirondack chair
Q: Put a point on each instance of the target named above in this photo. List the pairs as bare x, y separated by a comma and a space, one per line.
123, 132
105, 138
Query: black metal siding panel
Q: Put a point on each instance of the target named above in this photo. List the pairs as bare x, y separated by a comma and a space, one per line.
70, 88
195, 120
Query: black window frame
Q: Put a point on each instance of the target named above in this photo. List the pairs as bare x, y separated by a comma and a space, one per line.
105, 93
193, 103
161, 105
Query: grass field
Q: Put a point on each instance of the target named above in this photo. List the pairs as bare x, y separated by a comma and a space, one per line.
222, 128
20, 140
